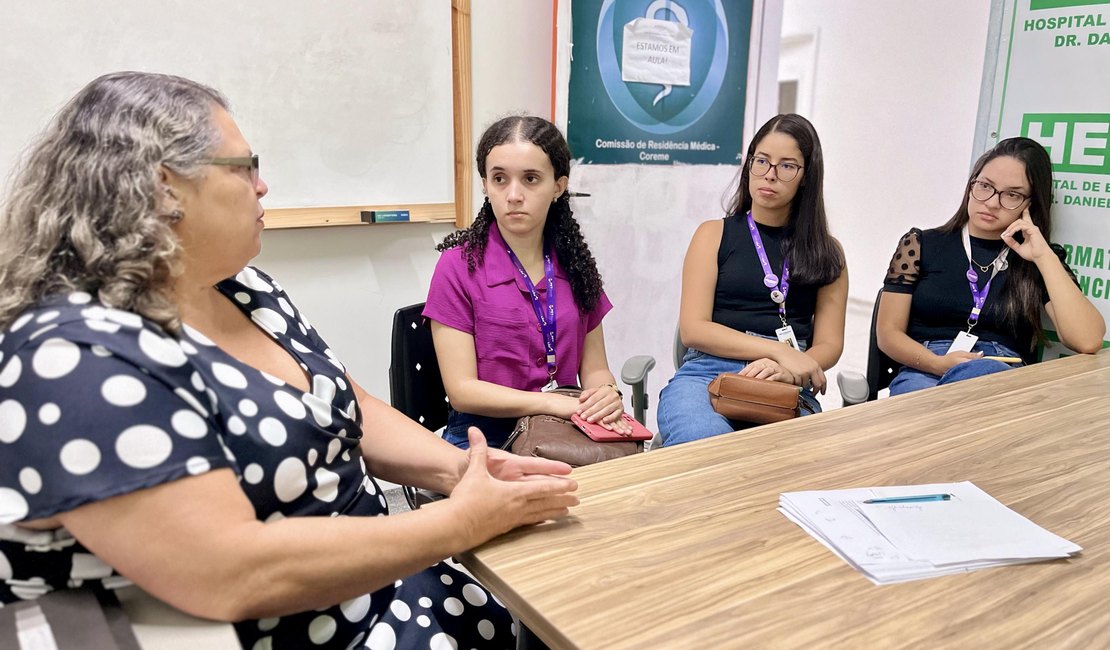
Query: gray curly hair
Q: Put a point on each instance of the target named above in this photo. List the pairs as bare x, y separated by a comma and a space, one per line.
87, 209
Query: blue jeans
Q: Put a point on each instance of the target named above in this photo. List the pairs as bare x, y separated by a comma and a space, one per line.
910, 379
496, 430
685, 413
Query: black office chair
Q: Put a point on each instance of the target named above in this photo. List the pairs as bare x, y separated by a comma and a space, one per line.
415, 385
881, 369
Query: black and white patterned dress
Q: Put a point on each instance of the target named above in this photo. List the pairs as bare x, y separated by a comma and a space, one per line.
96, 402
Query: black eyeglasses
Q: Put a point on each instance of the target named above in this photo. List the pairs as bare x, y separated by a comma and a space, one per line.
247, 162
784, 171
1008, 199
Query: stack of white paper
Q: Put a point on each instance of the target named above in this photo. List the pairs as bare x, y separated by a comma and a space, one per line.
910, 540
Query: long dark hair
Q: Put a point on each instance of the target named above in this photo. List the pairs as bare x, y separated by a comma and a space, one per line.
561, 229
815, 257
1024, 292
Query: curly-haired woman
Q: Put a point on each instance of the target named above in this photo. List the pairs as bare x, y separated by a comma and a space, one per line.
516, 301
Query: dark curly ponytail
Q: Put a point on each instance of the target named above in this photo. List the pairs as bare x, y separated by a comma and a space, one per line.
560, 229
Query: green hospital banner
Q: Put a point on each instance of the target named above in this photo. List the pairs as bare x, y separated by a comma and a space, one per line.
1050, 81
658, 81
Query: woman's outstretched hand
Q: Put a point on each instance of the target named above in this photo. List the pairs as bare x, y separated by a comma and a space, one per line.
497, 494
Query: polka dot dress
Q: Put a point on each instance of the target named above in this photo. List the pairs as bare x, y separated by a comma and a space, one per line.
96, 402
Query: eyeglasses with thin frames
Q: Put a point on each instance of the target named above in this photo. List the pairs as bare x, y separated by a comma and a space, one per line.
248, 162
785, 171
1009, 199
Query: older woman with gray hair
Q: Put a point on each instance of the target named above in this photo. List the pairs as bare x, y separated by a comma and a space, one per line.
168, 415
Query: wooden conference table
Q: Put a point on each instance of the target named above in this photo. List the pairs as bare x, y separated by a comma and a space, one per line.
683, 548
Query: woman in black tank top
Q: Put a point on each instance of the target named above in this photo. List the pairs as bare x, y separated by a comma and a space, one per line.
764, 290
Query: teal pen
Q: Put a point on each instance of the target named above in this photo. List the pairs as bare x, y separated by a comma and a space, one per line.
912, 499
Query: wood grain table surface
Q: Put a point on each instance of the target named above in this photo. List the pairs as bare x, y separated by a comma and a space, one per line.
683, 547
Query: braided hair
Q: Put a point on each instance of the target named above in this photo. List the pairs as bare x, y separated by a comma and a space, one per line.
560, 229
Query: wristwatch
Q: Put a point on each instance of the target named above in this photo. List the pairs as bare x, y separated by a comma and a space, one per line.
614, 387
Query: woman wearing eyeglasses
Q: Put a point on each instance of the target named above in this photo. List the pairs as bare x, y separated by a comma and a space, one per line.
168, 416
965, 300
764, 290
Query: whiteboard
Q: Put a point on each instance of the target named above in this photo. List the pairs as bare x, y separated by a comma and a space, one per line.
347, 102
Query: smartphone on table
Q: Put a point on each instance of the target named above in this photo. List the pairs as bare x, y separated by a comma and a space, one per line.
596, 431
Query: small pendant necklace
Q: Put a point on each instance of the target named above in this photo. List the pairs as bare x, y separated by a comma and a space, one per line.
982, 267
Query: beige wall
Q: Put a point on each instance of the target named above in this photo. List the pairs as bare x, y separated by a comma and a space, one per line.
894, 94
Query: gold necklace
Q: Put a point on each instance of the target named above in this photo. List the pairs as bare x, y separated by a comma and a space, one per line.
982, 267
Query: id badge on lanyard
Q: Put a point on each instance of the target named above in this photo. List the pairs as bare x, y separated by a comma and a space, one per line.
965, 341
779, 288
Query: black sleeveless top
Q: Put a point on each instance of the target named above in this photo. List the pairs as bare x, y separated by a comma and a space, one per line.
742, 301
931, 265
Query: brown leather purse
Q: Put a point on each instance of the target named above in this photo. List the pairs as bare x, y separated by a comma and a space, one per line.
554, 438
746, 399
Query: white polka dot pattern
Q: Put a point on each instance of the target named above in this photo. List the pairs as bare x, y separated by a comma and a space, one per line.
80, 456
355, 610
382, 637
228, 375
321, 629
272, 431
143, 446
290, 479
290, 405
253, 473
110, 400
189, 424
49, 413
11, 373
270, 320
55, 358
123, 390
161, 350
13, 420
13, 507
30, 480
453, 606
443, 641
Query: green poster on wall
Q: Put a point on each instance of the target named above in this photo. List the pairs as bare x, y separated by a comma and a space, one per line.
658, 81
1050, 84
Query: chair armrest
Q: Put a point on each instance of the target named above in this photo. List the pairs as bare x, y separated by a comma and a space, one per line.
853, 387
635, 369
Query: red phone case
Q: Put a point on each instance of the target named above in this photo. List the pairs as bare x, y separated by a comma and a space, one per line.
599, 433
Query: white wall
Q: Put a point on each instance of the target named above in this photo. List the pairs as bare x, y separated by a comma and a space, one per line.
349, 280
894, 95
895, 92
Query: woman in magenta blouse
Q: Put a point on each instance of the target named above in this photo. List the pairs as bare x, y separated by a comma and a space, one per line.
516, 301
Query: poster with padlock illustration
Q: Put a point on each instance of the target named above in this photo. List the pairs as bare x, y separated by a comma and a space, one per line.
658, 81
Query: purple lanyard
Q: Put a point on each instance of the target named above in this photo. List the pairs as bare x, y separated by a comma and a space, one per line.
546, 316
979, 296
779, 289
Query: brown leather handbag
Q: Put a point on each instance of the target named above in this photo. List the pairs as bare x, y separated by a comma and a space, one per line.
554, 438
746, 399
